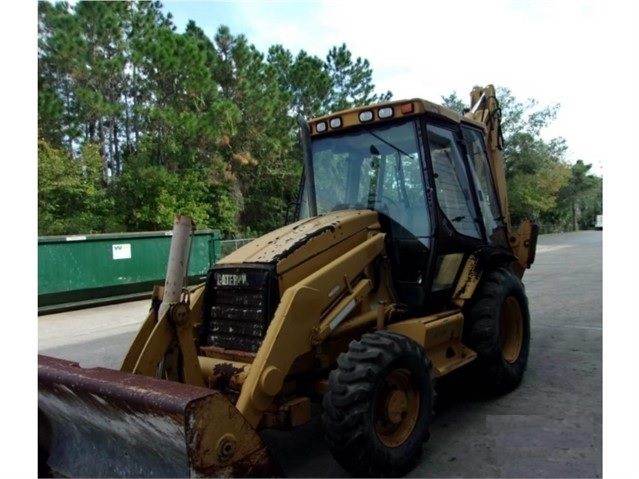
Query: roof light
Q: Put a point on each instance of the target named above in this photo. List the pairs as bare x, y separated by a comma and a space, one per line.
406, 108
336, 122
321, 127
365, 116
385, 112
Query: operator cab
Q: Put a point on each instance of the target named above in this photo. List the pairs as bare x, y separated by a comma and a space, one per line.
428, 178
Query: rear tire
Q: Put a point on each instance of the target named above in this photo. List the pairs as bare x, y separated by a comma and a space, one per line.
379, 406
497, 328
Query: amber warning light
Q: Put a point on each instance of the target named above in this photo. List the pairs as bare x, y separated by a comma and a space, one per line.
406, 108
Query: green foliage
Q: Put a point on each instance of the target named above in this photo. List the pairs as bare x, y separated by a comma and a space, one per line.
351, 81
536, 169
71, 195
304, 80
524, 117
535, 173
58, 31
151, 196
580, 200
138, 123
179, 123
260, 154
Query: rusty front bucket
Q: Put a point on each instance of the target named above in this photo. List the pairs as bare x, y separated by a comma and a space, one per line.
104, 423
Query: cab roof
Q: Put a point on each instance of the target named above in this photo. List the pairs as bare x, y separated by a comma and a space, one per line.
385, 111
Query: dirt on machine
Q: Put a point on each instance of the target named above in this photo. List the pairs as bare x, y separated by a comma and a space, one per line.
400, 267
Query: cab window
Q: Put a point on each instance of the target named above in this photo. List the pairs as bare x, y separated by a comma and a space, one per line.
451, 182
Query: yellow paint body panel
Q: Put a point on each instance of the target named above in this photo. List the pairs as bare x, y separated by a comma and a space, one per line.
440, 335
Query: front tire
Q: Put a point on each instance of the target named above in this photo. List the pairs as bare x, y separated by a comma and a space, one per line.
379, 406
497, 328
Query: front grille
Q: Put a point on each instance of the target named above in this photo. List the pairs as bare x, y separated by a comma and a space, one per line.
239, 303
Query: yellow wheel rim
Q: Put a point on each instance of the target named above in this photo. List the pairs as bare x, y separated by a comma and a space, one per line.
511, 325
396, 408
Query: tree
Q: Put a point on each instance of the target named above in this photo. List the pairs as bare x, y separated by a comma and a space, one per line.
71, 197
305, 80
58, 48
535, 174
186, 123
100, 79
259, 154
580, 200
179, 123
351, 81
145, 19
150, 196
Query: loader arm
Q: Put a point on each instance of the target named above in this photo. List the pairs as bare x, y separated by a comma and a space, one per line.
168, 339
306, 315
165, 345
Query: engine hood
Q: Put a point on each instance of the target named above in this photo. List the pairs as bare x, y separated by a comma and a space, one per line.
300, 242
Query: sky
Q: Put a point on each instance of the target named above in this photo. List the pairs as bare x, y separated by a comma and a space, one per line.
581, 55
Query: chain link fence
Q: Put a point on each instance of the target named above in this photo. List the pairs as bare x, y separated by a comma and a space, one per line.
228, 246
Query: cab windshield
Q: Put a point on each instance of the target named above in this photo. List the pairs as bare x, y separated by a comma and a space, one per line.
379, 168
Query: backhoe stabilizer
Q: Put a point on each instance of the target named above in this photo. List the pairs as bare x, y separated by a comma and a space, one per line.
524, 245
104, 423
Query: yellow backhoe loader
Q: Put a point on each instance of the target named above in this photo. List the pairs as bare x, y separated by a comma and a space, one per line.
400, 267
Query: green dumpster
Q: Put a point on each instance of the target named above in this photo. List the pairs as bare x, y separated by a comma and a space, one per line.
85, 271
